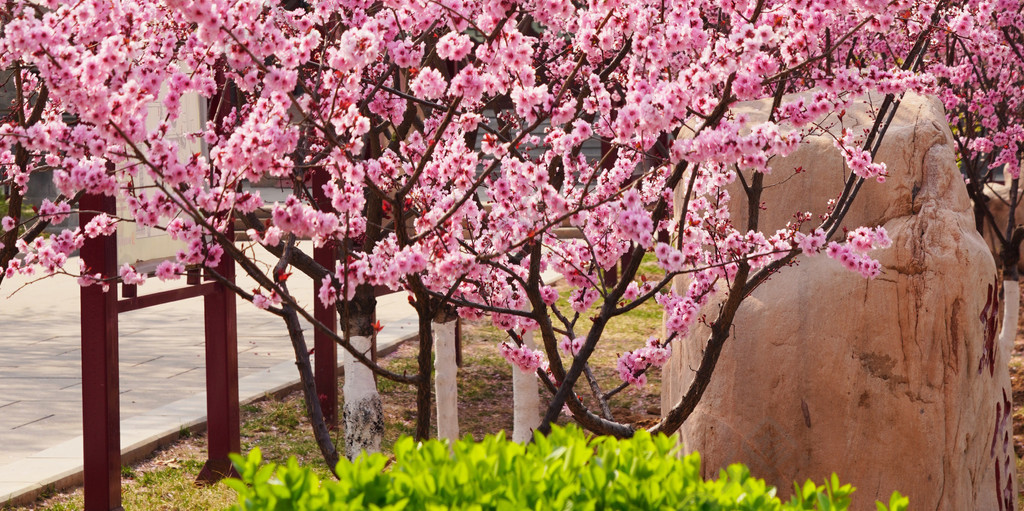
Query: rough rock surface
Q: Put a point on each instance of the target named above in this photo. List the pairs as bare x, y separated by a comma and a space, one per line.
895, 383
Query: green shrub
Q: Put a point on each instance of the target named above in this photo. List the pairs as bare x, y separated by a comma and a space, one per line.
565, 470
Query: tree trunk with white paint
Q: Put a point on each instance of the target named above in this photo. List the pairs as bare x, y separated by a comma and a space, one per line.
445, 383
1011, 314
363, 413
526, 401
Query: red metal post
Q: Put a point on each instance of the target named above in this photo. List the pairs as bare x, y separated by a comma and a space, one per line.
611, 276
222, 412
627, 258
101, 429
325, 349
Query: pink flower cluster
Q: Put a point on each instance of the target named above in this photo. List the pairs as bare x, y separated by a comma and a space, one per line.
130, 276
304, 220
262, 301
428, 84
169, 270
57, 213
454, 46
526, 359
88, 174
632, 365
100, 225
859, 160
680, 312
634, 221
571, 346
328, 293
582, 298
86, 279
812, 243
853, 253
50, 254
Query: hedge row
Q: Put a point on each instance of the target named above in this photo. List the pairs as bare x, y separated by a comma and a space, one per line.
562, 471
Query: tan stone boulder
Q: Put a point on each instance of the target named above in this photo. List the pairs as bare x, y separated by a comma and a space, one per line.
895, 383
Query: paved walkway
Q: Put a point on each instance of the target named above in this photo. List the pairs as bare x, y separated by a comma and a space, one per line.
161, 373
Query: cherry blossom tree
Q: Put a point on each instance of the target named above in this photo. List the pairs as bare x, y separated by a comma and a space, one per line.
449, 140
22, 107
978, 65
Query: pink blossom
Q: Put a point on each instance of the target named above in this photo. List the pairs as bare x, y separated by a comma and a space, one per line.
571, 346
858, 160
526, 359
680, 311
13, 268
100, 225
670, 259
169, 270
405, 53
86, 280
272, 236
810, 244
351, 274
262, 301
581, 299
854, 259
633, 364
468, 84
549, 295
630, 368
428, 84
632, 291
55, 213
453, 46
130, 276
327, 294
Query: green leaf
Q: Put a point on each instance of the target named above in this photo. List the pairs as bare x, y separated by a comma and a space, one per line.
566, 470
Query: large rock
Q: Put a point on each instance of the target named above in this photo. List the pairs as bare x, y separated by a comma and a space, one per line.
895, 383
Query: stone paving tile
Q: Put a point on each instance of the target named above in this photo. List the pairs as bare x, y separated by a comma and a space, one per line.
10, 487
68, 449
22, 389
31, 470
26, 441
24, 414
